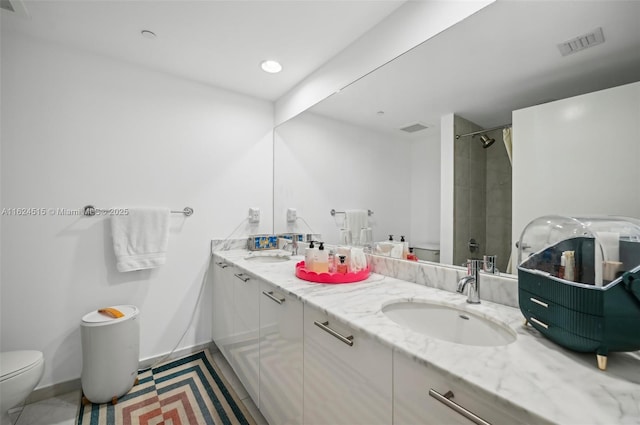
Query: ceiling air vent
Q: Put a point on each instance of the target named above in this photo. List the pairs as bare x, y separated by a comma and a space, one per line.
412, 128
582, 42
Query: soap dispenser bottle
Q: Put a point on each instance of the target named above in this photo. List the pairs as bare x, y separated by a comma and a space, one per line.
321, 261
309, 255
405, 248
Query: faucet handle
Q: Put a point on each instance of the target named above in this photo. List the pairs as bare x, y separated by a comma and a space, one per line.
490, 264
473, 266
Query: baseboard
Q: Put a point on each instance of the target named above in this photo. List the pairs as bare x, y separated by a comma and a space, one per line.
65, 387
148, 362
54, 390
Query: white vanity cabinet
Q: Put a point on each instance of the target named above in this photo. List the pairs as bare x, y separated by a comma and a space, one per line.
347, 375
280, 356
422, 395
236, 319
222, 294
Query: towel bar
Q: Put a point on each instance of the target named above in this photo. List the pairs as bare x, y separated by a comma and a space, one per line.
334, 212
90, 211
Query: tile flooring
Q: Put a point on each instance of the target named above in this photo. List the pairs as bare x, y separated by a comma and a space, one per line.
63, 409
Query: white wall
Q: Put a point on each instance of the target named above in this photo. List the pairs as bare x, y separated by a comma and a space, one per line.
577, 156
425, 189
323, 164
79, 129
446, 188
411, 24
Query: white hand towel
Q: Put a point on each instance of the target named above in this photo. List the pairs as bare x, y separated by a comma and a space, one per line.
355, 221
610, 242
140, 238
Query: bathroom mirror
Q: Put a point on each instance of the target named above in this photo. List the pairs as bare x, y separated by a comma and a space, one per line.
367, 147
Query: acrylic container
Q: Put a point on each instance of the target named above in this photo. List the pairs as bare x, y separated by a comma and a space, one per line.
592, 303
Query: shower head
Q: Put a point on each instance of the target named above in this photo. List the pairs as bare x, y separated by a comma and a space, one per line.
486, 141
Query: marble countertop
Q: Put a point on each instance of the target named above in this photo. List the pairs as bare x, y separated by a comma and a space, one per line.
532, 373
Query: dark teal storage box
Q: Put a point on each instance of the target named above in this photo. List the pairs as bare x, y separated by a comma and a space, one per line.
599, 311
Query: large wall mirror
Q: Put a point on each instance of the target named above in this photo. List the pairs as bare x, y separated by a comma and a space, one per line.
387, 143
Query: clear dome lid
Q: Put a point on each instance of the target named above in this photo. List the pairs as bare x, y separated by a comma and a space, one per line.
593, 250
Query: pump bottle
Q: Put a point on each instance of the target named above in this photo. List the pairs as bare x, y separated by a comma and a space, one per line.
321, 260
309, 255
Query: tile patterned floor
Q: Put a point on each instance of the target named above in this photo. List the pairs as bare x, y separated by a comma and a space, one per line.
63, 409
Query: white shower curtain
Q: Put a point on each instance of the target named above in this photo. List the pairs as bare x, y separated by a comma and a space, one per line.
506, 136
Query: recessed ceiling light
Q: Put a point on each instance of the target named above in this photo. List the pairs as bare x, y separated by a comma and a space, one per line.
271, 66
148, 34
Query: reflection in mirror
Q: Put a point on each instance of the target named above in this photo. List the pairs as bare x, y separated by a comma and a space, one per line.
482, 195
350, 152
322, 164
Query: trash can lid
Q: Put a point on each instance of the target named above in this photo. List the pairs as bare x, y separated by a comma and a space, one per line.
98, 317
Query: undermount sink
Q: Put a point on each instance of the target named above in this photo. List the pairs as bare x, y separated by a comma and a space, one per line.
268, 258
449, 323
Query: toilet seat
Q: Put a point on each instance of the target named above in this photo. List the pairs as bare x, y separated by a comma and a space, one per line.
14, 363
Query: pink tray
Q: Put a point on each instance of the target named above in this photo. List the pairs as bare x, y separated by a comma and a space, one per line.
334, 278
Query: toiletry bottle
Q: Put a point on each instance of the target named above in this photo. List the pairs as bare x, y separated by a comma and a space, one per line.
390, 237
345, 251
321, 260
308, 256
405, 248
411, 256
332, 261
341, 267
570, 266
563, 263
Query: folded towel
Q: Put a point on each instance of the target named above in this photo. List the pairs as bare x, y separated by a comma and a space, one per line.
610, 252
140, 238
610, 243
355, 221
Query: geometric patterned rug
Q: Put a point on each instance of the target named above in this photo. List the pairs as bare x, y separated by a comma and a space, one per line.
186, 391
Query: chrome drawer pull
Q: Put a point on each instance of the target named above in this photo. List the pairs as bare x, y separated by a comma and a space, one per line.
222, 264
270, 295
545, 305
243, 277
446, 399
325, 327
536, 321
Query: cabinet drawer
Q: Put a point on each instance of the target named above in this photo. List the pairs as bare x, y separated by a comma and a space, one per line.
222, 297
570, 296
280, 356
552, 314
347, 375
236, 322
413, 403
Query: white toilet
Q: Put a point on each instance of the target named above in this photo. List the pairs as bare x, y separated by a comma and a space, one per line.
20, 372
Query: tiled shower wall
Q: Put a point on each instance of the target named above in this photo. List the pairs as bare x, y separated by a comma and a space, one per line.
469, 218
482, 200
498, 201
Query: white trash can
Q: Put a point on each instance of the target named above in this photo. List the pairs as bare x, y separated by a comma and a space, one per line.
110, 351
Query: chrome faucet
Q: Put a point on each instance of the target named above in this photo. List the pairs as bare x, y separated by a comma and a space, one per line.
291, 244
472, 280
